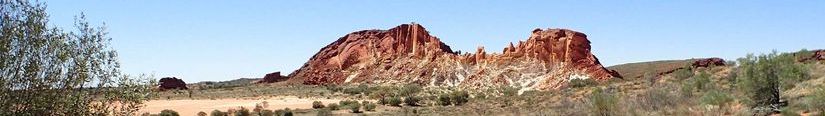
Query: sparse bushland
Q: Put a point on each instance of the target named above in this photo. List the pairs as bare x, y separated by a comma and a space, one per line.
242, 112
412, 100
394, 101
332, 106
217, 113
369, 106
603, 103
47, 71
355, 107
324, 112
576, 82
284, 112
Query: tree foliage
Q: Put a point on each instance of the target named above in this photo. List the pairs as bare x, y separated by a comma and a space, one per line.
763, 78
46, 71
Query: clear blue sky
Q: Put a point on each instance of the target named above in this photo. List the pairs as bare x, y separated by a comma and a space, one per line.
224, 40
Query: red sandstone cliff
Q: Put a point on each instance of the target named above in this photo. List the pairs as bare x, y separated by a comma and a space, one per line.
408, 54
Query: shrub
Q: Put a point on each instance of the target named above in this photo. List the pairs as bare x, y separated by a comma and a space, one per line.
716, 98
603, 103
369, 106
201, 113
683, 73
168, 112
242, 112
817, 100
332, 106
657, 99
394, 101
444, 99
334, 88
355, 107
346, 103
217, 113
459, 97
762, 77
409, 90
577, 82
317, 105
324, 112
284, 112
266, 113
46, 71
412, 100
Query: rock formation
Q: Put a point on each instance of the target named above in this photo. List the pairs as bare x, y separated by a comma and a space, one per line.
709, 62
167, 83
814, 56
408, 54
273, 77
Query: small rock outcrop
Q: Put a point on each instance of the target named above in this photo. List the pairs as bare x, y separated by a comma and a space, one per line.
814, 56
273, 77
709, 62
409, 54
168, 83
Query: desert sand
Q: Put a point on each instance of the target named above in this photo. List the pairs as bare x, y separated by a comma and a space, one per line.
192, 107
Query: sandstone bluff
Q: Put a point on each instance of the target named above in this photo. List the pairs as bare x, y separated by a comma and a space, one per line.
548, 59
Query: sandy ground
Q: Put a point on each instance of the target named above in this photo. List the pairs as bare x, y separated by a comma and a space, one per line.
192, 107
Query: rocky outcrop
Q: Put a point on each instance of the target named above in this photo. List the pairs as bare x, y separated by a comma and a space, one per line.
811, 56
709, 62
273, 77
408, 54
167, 83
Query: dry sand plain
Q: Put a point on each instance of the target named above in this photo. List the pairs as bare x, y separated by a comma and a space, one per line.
192, 107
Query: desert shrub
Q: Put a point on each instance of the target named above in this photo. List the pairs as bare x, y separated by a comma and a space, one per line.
577, 82
394, 101
46, 71
334, 88
817, 100
317, 105
382, 100
716, 98
412, 100
324, 112
347, 103
266, 113
603, 103
762, 77
242, 112
168, 112
683, 73
657, 99
382, 91
332, 106
217, 113
369, 106
508, 91
444, 99
284, 112
201, 113
146, 114
355, 107
459, 97
409, 90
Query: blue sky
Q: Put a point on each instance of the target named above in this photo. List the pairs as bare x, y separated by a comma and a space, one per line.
223, 40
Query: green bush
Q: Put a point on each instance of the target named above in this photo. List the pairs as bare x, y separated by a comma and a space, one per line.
683, 73
369, 106
459, 97
346, 103
763, 77
217, 113
168, 112
409, 90
603, 103
324, 112
716, 98
382, 101
47, 71
266, 113
394, 101
284, 112
332, 106
412, 100
317, 105
444, 99
242, 112
577, 82
817, 100
355, 107
201, 113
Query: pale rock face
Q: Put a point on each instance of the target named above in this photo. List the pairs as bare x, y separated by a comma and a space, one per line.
408, 54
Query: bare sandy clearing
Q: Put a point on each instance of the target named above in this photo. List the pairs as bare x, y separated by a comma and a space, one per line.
192, 107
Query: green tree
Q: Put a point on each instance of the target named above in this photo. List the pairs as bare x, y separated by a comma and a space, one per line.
763, 77
46, 71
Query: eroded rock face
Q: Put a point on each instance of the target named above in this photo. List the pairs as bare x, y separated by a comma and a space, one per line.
816, 55
273, 77
167, 83
709, 62
408, 54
